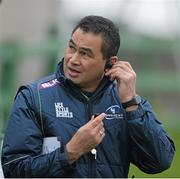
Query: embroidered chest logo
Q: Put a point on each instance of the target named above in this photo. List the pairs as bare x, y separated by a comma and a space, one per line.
62, 111
113, 112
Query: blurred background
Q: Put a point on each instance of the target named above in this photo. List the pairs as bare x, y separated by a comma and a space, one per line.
33, 35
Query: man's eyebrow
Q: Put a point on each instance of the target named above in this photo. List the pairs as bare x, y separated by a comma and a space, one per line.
89, 50
71, 41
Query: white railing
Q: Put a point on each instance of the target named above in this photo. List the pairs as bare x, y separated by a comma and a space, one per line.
1, 172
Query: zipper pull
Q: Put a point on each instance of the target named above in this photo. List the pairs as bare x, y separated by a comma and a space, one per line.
94, 152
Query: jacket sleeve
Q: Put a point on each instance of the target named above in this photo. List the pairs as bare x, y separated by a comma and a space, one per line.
22, 145
151, 149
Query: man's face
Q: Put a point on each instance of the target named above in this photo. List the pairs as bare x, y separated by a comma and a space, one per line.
83, 60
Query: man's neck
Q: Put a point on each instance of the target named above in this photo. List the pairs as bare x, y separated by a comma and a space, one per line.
92, 88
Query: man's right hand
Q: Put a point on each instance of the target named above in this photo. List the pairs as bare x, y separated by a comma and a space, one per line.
86, 138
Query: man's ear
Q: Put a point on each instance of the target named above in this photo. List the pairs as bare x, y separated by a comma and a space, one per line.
114, 59
110, 62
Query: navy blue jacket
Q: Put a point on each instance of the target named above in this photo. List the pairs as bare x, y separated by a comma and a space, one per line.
54, 106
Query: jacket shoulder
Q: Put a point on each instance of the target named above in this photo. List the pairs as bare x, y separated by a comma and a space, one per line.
44, 82
31, 90
41, 83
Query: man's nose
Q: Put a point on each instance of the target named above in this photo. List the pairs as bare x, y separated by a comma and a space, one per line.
75, 58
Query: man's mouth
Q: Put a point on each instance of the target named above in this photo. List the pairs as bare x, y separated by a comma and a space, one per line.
73, 72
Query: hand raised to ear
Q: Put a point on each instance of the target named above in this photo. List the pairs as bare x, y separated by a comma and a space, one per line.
123, 72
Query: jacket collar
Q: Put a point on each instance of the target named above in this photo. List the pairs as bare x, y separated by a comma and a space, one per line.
75, 90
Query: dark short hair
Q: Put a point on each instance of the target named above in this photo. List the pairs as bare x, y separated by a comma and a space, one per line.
104, 27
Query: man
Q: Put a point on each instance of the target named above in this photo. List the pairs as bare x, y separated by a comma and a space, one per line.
90, 114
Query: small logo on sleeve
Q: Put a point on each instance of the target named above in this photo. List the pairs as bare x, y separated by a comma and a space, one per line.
49, 84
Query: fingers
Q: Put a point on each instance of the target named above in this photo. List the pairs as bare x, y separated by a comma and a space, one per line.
120, 74
124, 66
102, 135
121, 70
97, 125
99, 128
98, 120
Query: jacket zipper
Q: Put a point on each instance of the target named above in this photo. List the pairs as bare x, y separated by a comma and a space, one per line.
93, 153
93, 163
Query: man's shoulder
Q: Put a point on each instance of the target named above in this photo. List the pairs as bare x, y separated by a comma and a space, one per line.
38, 84
45, 82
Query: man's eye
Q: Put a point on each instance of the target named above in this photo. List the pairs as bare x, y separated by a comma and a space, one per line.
85, 54
71, 47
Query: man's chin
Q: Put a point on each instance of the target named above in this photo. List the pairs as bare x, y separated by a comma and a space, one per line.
74, 81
